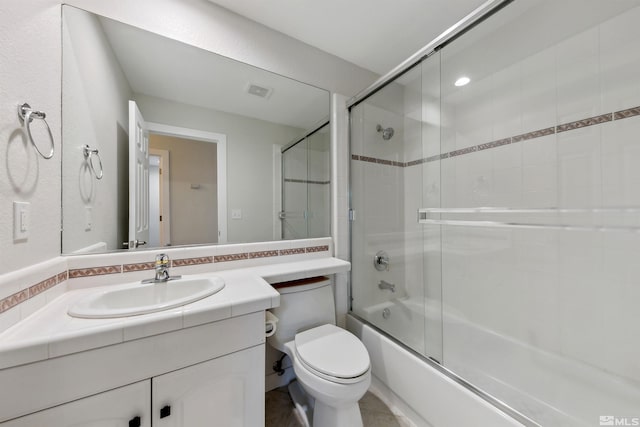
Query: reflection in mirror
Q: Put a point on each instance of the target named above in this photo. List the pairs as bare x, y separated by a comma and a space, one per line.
206, 137
305, 186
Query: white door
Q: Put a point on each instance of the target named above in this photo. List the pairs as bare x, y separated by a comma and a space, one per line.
227, 391
138, 178
122, 407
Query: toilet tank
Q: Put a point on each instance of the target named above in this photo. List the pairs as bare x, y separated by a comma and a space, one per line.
304, 304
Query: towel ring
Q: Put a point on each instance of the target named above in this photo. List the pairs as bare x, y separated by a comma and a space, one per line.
88, 154
27, 115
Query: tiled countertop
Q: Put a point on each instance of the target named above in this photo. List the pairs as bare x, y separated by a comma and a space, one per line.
51, 332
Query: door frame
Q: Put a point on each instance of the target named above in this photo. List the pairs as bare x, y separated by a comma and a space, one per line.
220, 140
165, 195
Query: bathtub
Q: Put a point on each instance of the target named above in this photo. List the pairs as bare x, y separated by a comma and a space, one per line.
575, 394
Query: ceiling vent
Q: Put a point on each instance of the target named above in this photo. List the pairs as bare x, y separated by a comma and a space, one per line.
262, 92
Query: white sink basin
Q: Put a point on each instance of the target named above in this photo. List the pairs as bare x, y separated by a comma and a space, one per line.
136, 298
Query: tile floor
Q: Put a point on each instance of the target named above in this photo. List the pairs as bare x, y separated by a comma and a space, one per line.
280, 413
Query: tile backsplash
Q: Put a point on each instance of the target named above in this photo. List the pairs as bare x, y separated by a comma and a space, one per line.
24, 291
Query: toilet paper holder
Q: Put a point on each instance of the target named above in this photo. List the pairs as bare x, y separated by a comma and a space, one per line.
270, 323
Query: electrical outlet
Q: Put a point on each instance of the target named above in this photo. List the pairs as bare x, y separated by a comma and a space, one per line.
21, 214
236, 213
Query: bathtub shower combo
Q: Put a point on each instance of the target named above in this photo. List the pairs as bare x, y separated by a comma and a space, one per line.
496, 226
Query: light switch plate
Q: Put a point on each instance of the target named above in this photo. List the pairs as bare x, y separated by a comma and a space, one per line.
21, 214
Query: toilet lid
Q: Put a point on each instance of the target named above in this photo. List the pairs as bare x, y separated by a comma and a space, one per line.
332, 351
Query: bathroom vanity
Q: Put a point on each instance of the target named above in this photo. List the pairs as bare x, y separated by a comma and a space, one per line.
198, 363
202, 361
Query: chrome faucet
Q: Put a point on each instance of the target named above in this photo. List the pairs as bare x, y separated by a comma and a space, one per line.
162, 270
386, 285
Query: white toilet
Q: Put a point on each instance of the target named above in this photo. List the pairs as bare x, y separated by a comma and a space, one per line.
330, 363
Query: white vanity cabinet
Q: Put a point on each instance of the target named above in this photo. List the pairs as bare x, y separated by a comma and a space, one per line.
123, 407
206, 375
227, 391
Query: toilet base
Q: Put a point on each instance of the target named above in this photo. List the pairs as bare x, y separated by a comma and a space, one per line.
330, 416
302, 402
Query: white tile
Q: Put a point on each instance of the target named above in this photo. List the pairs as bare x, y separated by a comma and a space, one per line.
507, 102
21, 354
32, 305
539, 104
85, 338
9, 318
152, 324
578, 77
620, 61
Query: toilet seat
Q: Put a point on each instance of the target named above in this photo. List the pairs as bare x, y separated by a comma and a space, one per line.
332, 353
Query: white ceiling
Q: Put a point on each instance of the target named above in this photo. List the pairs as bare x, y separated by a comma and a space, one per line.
374, 34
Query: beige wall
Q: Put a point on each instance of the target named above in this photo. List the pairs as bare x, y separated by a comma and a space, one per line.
194, 212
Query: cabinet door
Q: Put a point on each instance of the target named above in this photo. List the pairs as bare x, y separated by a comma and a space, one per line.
114, 408
226, 392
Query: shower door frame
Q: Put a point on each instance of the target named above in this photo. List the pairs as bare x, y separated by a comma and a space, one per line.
474, 18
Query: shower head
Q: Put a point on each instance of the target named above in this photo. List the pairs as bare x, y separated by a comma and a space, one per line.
386, 133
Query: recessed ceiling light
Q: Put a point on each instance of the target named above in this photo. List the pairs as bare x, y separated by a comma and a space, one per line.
462, 81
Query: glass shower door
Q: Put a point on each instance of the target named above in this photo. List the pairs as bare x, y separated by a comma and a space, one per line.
294, 191
387, 152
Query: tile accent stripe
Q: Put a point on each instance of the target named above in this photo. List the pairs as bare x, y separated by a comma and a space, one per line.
31, 291
624, 114
263, 254
36, 289
564, 127
292, 251
141, 266
323, 248
184, 262
95, 271
230, 257
584, 122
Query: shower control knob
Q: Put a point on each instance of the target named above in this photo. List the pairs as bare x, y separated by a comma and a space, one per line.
381, 261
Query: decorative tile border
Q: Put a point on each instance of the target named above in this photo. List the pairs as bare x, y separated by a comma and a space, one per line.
32, 291
140, 266
535, 134
625, 114
564, 127
584, 122
230, 257
323, 248
263, 254
42, 286
95, 271
296, 251
184, 262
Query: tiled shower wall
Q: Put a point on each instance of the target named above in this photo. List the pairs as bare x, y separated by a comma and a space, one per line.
543, 299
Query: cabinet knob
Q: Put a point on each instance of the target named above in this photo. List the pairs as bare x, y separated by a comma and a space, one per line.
165, 411
135, 422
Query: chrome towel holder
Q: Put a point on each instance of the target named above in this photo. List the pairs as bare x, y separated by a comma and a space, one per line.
26, 115
88, 154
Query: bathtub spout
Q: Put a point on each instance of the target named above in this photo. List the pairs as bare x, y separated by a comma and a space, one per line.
386, 285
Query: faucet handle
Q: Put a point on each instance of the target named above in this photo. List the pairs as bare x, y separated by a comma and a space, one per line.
162, 260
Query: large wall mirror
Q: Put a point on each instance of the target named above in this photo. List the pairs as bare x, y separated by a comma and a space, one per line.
166, 144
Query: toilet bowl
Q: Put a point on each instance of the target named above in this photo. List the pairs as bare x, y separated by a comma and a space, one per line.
330, 363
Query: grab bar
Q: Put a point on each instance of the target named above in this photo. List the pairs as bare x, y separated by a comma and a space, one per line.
26, 115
